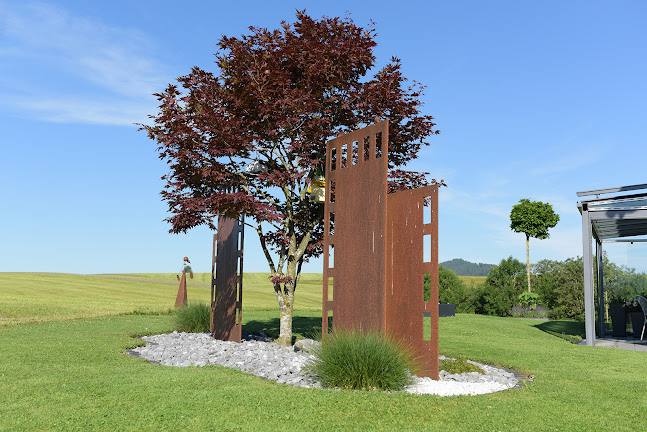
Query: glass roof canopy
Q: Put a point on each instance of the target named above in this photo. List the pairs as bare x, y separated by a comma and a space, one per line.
619, 216
622, 217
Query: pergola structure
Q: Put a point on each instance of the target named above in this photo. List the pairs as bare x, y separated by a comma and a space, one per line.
618, 218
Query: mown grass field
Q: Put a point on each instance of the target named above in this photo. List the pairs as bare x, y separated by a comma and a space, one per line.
68, 370
35, 297
472, 283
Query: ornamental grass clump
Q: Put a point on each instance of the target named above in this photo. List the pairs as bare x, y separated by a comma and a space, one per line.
459, 366
363, 361
193, 318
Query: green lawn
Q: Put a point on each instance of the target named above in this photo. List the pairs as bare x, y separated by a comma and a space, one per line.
473, 280
37, 297
74, 374
472, 283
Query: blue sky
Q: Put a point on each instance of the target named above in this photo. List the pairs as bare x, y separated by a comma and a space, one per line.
534, 100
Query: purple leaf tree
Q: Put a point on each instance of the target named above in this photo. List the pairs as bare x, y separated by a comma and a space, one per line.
250, 138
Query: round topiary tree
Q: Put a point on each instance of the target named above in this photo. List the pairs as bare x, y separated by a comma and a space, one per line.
533, 218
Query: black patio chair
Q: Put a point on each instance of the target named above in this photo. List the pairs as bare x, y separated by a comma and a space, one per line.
642, 301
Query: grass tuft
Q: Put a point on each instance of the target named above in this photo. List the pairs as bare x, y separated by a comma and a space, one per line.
152, 312
458, 366
362, 361
193, 318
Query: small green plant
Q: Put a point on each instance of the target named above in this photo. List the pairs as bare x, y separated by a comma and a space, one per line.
458, 366
528, 299
363, 361
193, 318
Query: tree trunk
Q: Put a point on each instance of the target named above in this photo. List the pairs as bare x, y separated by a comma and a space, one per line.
285, 298
528, 260
285, 336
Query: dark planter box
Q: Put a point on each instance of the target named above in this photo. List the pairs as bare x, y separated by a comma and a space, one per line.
447, 310
637, 321
444, 310
618, 320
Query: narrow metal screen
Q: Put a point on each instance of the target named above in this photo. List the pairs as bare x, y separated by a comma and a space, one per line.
227, 280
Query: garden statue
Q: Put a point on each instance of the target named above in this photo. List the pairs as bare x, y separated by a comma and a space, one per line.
180, 300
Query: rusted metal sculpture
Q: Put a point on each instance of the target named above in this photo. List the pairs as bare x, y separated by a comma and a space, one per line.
374, 246
227, 280
406, 309
181, 299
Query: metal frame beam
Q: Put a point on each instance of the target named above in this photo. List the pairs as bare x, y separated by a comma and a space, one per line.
601, 303
617, 214
612, 190
587, 259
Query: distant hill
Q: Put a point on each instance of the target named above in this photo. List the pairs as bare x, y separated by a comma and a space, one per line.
466, 268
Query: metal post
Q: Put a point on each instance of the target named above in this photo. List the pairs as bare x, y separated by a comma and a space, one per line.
601, 303
587, 258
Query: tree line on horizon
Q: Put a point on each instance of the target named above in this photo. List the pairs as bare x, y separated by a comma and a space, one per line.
466, 268
558, 285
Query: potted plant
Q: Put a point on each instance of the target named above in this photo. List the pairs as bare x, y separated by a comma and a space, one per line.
618, 319
633, 309
617, 300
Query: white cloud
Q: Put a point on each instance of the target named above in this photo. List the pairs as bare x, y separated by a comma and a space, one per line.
70, 110
63, 68
569, 154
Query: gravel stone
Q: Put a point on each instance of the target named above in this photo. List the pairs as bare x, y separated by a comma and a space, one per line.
260, 356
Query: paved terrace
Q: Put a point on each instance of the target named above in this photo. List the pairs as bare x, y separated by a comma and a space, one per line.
626, 343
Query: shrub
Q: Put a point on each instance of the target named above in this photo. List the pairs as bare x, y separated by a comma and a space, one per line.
559, 285
193, 318
501, 289
528, 300
457, 366
362, 361
450, 289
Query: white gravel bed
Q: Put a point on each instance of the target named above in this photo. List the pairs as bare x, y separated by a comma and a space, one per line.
263, 358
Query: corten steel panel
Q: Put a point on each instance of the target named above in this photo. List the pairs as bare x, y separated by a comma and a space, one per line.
360, 220
405, 303
226, 283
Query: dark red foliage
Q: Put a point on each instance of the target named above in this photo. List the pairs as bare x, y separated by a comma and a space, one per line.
278, 97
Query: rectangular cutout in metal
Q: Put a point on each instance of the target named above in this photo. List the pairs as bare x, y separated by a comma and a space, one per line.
332, 191
332, 223
330, 289
344, 155
426, 327
367, 147
331, 256
426, 213
333, 159
426, 287
355, 151
378, 145
426, 248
